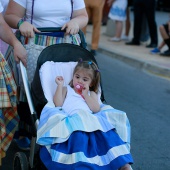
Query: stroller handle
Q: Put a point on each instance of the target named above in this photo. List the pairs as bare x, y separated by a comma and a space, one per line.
58, 29
51, 29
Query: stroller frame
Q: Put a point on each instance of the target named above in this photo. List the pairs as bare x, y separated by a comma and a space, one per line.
36, 100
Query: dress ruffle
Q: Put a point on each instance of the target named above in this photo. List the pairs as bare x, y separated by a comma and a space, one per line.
56, 125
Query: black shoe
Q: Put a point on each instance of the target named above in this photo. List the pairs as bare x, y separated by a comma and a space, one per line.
93, 52
151, 45
166, 53
132, 43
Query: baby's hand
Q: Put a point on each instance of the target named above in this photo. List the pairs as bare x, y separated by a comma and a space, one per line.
85, 90
59, 80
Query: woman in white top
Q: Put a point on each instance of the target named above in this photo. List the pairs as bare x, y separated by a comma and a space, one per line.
47, 13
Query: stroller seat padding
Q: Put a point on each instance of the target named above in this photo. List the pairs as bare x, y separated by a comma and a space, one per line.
48, 72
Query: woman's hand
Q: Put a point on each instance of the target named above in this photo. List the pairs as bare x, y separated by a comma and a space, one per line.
27, 29
59, 80
20, 53
71, 27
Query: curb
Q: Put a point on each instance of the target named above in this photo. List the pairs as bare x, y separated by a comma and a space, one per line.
140, 64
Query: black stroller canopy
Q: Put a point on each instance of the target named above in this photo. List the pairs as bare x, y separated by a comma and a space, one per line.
64, 53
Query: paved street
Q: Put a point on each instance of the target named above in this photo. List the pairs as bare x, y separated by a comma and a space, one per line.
145, 98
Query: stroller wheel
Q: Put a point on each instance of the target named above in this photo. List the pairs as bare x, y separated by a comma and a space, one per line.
20, 161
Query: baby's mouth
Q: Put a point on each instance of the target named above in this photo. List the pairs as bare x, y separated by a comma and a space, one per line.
78, 88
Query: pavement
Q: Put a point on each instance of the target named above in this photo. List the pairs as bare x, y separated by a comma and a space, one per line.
137, 56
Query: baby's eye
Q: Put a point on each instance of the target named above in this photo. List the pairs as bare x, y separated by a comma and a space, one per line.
85, 79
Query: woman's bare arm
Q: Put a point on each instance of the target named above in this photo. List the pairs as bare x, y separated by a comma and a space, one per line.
8, 36
14, 14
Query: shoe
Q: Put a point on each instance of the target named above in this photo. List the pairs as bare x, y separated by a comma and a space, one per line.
151, 45
132, 43
93, 52
125, 38
155, 51
115, 39
166, 53
23, 144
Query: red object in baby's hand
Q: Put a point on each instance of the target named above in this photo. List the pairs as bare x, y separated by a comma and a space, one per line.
79, 88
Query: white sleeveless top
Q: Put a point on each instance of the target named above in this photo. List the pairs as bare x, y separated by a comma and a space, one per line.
74, 102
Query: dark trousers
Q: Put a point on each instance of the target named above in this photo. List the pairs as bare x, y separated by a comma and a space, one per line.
147, 8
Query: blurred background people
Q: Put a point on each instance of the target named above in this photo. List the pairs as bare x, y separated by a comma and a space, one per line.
165, 33
106, 10
125, 36
94, 9
118, 14
148, 8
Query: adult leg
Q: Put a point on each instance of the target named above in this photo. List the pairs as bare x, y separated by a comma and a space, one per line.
145, 30
97, 6
150, 6
88, 9
138, 13
127, 24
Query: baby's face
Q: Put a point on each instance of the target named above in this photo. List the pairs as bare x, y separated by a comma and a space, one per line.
82, 79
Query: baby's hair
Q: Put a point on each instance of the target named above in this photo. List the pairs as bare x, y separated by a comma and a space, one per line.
95, 76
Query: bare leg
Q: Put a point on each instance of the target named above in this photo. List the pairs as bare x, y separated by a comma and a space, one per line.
125, 167
161, 45
128, 24
163, 32
119, 27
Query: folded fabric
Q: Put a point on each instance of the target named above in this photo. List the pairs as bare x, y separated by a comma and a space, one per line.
82, 140
56, 125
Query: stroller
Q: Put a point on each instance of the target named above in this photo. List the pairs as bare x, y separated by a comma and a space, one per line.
37, 100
